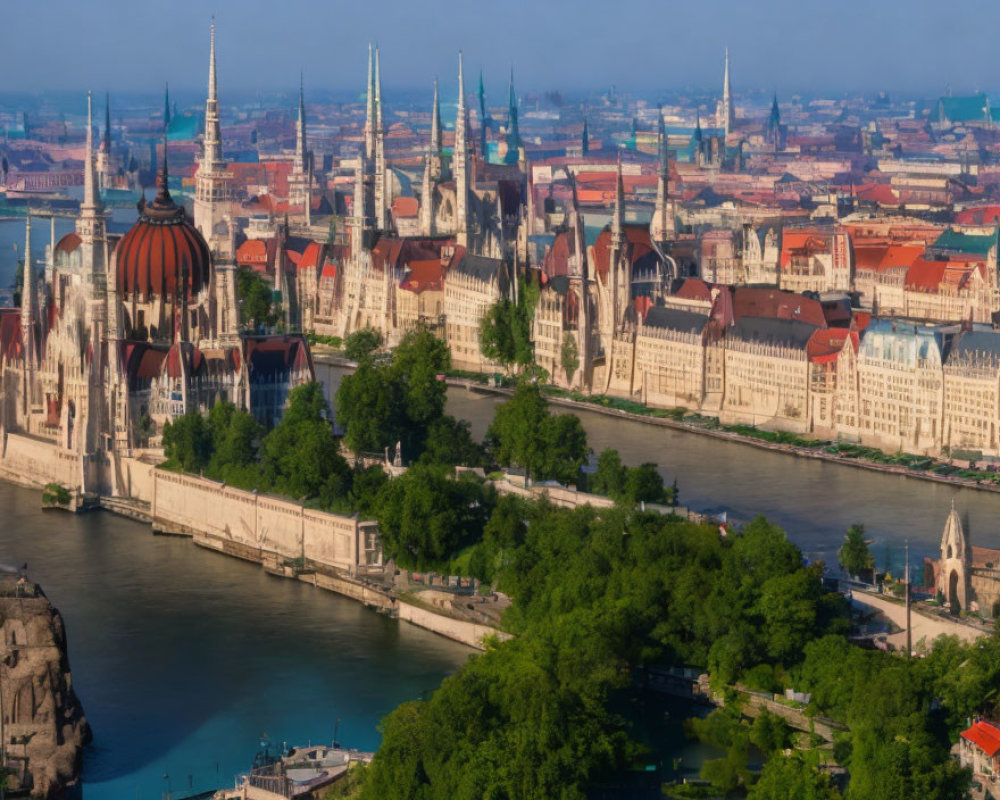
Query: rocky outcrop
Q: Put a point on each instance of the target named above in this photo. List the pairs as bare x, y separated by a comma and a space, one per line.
42, 725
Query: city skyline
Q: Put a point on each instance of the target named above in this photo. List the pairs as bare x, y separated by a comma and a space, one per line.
783, 46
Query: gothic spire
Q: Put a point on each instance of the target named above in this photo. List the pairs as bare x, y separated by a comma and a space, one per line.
90, 197
301, 155
166, 105
460, 161
482, 115
29, 299
106, 143
370, 107
728, 109
513, 133
585, 139
381, 170
658, 227
212, 155
618, 220
436, 121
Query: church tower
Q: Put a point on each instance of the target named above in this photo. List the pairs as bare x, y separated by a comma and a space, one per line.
460, 162
300, 180
619, 279
104, 163
370, 109
513, 131
432, 169
659, 227
90, 224
956, 564
212, 186
382, 216
727, 116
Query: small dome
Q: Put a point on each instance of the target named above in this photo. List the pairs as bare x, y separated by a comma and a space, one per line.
161, 251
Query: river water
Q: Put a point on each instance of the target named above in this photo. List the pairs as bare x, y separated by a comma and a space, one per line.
814, 501
183, 657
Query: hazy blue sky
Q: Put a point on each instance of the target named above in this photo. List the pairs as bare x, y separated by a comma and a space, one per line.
908, 45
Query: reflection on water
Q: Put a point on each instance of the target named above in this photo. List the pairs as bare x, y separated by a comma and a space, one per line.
183, 657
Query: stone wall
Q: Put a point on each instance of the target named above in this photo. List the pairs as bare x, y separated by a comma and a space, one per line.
29, 461
254, 526
43, 721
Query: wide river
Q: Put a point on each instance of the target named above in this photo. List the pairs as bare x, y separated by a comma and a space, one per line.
183, 658
814, 501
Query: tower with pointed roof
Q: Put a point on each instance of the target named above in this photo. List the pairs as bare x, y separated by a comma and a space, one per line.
29, 322
300, 179
382, 216
432, 169
166, 100
513, 132
369, 131
660, 228
483, 116
955, 566
90, 226
585, 139
104, 164
772, 131
727, 115
460, 162
213, 183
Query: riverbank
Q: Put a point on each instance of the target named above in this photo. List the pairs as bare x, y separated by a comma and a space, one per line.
695, 427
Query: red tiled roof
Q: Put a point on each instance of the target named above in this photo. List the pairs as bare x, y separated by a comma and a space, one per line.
980, 215
68, 243
310, 257
773, 303
880, 193
877, 256
329, 270
405, 207
637, 243
423, 275
825, 345
984, 736
257, 253
694, 289
556, 261
803, 242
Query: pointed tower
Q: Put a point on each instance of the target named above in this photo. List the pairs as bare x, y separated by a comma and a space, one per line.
619, 278
585, 139
728, 115
460, 162
370, 108
300, 180
90, 224
581, 279
659, 228
697, 141
955, 566
361, 222
103, 159
483, 123
29, 325
381, 170
213, 185
166, 104
773, 129
513, 132
436, 147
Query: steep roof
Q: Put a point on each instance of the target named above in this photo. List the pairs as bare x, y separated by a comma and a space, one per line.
676, 320
957, 242
776, 304
985, 736
783, 332
825, 345
974, 344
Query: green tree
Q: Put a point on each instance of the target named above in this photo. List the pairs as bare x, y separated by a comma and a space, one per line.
524, 434
255, 297
569, 356
187, 442
361, 345
505, 329
426, 516
449, 442
854, 555
792, 779
609, 477
644, 484
370, 409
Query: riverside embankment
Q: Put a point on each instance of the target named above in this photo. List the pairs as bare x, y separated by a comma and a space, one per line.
815, 499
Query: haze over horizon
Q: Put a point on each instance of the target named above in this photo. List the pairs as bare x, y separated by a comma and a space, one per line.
639, 45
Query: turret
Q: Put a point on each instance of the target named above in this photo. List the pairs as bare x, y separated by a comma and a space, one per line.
166, 103
460, 163
483, 124
370, 108
212, 181
381, 175
301, 153
513, 133
436, 144
659, 228
728, 109
90, 224
585, 139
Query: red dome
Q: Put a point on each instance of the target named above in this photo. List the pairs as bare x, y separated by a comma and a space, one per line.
159, 251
